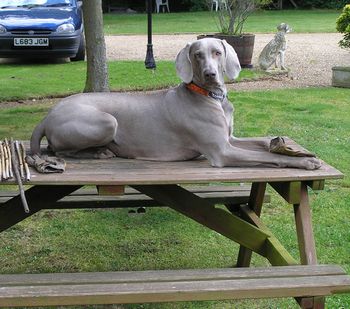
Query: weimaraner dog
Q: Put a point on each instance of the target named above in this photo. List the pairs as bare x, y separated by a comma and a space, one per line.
192, 119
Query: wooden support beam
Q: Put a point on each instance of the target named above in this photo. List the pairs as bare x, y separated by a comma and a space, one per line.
111, 190
290, 191
317, 302
208, 215
277, 254
274, 250
255, 203
11, 212
316, 184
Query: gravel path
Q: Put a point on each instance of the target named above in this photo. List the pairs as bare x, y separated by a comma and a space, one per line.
310, 57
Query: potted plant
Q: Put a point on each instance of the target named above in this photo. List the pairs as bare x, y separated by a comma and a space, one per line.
231, 17
341, 74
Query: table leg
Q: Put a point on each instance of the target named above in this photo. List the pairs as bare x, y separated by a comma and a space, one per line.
311, 302
305, 234
306, 241
256, 200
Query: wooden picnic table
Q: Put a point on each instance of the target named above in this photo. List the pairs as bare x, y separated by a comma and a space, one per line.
167, 183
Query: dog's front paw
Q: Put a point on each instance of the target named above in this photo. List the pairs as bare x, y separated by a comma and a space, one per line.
311, 163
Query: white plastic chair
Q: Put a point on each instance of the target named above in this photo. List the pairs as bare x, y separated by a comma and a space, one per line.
163, 3
219, 4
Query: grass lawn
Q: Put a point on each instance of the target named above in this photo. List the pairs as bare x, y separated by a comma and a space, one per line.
21, 81
108, 240
301, 21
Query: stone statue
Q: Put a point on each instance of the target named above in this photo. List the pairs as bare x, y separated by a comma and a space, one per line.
276, 47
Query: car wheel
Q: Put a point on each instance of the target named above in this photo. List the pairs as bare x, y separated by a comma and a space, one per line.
80, 56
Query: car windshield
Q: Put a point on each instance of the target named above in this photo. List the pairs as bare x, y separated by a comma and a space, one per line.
34, 3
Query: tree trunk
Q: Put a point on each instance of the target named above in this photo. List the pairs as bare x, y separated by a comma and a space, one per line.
97, 70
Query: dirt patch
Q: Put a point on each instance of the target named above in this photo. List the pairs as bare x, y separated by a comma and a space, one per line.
48, 102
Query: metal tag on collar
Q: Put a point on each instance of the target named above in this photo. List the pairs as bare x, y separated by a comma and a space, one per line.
219, 97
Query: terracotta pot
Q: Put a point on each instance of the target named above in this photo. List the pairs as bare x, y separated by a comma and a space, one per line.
243, 45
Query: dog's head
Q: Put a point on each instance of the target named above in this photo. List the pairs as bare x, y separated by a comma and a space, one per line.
284, 27
206, 62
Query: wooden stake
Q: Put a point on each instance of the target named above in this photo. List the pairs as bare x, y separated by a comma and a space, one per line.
18, 177
7, 146
26, 167
3, 158
6, 160
20, 159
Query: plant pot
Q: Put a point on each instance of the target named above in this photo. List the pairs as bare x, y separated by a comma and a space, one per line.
242, 44
341, 77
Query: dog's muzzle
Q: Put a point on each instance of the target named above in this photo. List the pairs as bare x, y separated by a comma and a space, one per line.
210, 75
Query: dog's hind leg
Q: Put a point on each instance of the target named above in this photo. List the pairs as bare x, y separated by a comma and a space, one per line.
89, 153
83, 136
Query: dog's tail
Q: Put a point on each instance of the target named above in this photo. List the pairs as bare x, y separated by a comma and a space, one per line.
37, 135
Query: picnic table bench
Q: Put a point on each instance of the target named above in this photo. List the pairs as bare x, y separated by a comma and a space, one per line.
194, 189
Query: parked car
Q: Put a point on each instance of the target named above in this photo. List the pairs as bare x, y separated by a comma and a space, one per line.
41, 28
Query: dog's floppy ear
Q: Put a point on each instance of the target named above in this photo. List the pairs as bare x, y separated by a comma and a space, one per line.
183, 64
233, 66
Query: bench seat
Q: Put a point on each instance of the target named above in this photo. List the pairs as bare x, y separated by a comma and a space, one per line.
171, 285
89, 197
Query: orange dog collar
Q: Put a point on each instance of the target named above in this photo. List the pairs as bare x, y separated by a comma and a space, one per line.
202, 91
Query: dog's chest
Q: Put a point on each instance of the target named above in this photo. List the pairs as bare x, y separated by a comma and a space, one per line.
280, 39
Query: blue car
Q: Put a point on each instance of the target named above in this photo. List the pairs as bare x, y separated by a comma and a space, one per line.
41, 28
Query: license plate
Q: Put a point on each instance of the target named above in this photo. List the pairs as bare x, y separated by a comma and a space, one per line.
31, 42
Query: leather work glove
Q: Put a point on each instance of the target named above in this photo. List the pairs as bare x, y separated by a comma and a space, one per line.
278, 145
45, 164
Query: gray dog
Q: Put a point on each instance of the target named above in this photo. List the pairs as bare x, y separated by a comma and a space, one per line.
192, 119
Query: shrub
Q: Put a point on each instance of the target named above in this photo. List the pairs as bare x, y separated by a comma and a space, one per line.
343, 26
322, 4
231, 20
195, 5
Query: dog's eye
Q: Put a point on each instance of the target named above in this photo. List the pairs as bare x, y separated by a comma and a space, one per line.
198, 55
217, 53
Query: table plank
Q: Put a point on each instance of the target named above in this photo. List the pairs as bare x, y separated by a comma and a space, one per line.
168, 275
118, 171
172, 291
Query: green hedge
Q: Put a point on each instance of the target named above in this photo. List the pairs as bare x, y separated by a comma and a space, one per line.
175, 5
322, 4
201, 5
343, 26
195, 5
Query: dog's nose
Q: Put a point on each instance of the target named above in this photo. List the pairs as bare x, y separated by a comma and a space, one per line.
209, 74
